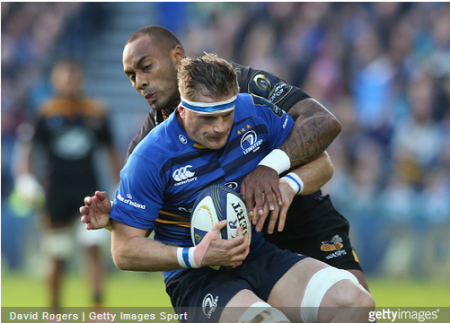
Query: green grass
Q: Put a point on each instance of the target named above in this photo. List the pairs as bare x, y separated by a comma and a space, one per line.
124, 289
128, 289
409, 292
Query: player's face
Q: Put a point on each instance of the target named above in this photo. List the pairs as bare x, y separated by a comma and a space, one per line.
152, 71
67, 80
209, 130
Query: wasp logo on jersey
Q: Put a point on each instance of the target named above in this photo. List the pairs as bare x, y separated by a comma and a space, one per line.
250, 142
183, 175
334, 244
209, 305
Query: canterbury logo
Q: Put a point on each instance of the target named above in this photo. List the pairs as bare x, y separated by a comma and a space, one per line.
182, 173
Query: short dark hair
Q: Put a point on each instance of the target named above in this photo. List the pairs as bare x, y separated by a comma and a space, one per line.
208, 75
158, 33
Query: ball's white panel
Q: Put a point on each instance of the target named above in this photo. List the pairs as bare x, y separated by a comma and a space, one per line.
237, 216
214, 203
203, 219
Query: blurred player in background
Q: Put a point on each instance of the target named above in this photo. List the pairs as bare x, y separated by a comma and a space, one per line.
68, 130
313, 226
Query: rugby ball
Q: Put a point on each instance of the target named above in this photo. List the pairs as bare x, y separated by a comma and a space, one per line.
214, 204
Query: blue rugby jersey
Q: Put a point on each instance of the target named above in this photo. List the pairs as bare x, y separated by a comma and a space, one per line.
167, 170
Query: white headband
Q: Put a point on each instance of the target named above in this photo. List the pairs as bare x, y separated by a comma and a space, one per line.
211, 107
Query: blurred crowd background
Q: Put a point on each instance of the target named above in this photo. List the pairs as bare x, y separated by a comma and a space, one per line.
382, 68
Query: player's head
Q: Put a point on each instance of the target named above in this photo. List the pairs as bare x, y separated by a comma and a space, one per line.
67, 79
150, 57
208, 86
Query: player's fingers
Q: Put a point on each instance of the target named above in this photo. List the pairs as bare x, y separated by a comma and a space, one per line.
239, 249
243, 189
246, 239
259, 203
219, 225
240, 256
240, 231
262, 216
249, 201
269, 200
261, 220
247, 245
240, 252
277, 192
88, 201
101, 195
84, 210
272, 220
282, 217
237, 241
255, 217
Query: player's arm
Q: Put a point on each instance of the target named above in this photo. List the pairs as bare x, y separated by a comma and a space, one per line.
315, 127
315, 174
132, 250
26, 185
261, 185
314, 130
302, 180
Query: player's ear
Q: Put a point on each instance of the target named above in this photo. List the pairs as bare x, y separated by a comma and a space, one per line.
182, 112
176, 54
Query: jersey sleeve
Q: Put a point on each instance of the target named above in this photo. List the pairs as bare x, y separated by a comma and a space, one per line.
269, 86
277, 121
139, 198
148, 125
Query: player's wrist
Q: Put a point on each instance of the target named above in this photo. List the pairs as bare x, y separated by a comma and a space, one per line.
185, 257
109, 225
278, 160
294, 181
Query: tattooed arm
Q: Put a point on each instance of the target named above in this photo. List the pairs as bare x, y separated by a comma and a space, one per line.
314, 130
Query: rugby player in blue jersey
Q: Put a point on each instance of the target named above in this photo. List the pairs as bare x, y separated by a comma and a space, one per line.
204, 135
150, 58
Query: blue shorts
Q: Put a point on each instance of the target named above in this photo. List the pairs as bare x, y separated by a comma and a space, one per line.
204, 292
